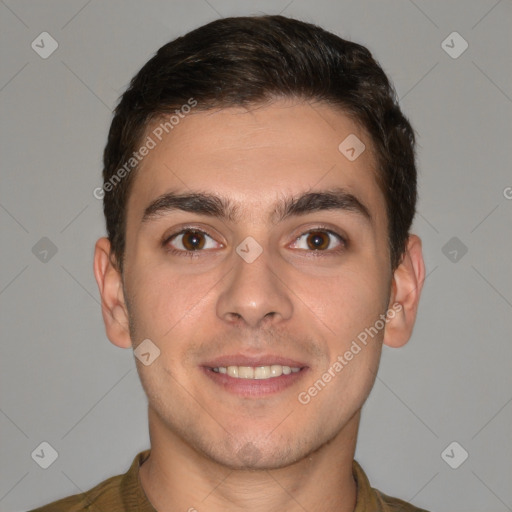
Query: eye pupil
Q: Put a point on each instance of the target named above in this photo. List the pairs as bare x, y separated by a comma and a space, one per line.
318, 240
192, 240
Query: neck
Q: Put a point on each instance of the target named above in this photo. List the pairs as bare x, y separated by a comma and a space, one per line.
177, 477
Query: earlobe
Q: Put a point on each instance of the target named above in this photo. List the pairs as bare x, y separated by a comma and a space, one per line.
406, 289
110, 285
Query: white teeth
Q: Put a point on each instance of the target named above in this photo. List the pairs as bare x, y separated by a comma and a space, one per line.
256, 372
276, 370
262, 372
245, 372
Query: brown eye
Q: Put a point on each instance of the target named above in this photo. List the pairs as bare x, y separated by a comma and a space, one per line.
193, 240
190, 240
318, 240
322, 240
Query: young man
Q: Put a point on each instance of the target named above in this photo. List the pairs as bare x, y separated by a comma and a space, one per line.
259, 187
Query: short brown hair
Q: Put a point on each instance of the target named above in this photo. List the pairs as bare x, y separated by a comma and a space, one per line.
242, 61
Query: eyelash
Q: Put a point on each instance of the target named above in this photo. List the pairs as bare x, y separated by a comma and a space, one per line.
195, 254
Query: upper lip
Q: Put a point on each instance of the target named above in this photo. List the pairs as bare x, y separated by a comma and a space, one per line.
260, 360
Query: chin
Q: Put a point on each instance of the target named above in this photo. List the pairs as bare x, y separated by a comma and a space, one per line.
259, 453
250, 458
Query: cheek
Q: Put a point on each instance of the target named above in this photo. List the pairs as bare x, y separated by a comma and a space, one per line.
355, 348
166, 301
354, 301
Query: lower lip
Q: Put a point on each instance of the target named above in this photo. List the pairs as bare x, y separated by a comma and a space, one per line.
254, 387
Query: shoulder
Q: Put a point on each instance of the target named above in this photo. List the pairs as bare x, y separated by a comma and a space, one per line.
103, 496
116, 494
391, 504
371, 499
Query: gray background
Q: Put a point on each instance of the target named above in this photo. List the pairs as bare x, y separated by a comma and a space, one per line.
64, 383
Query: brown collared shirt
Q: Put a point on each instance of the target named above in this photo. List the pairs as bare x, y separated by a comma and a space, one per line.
124, 493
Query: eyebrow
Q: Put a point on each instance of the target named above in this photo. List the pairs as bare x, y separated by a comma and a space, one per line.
212, 205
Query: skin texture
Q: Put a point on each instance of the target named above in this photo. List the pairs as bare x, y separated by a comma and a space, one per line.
211, 448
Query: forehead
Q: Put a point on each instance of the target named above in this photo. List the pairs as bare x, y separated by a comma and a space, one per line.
255, 155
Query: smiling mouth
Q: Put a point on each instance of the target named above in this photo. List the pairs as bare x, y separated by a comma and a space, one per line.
256, 372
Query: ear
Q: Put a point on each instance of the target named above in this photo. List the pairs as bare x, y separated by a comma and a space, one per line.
110, 284
406, 289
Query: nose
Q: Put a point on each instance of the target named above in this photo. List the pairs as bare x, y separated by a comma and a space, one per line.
254, 294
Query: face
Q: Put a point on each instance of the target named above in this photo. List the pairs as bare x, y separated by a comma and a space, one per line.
260, 282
